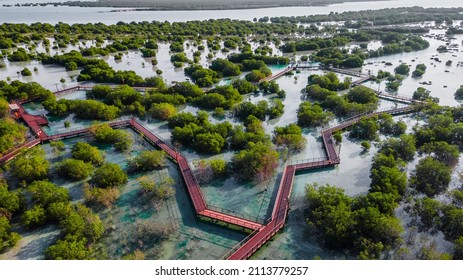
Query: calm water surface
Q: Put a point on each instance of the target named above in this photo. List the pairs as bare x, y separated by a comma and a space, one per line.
83, 15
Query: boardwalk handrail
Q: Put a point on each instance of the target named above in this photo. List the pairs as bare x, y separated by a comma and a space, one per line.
251, 218
308, 160
239, 245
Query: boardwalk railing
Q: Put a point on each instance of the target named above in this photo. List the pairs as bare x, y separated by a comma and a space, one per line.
239, 245
262, 232
252, 218
12, 153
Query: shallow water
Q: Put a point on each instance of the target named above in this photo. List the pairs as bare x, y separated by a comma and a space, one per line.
54, 15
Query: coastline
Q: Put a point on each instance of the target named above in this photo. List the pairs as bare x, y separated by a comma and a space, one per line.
132, 7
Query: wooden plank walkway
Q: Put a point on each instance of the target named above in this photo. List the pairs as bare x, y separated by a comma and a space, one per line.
261, 233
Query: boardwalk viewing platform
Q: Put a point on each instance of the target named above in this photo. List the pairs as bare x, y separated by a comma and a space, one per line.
262, 232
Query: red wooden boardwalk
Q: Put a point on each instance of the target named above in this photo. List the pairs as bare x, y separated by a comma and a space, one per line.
9, 155
193, 187
278, 75
262, 233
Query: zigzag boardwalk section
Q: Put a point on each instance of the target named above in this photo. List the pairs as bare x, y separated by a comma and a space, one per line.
191, 183
261, 233
281, 207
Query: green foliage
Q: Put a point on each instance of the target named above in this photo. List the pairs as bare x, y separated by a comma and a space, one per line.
44, 193
403, 148
329, 81
442, 151
87, 153
366, 128
147, 160
83, 224
9, 201
162, 111
121, 139
7, 238
220, 96
161, 190
419, 70
362, 95
346, 105
186, 89
201, 76
256, 76
459, 93
431, 177
83, 109
34, 217
225, 67
257, 162
19, 55
243, 86
198, 133
310, 114
429, 212
109, 175
247, 108
402, 69
343, 225
338, 57
219, 167
211, 143
31, 165
365, 145
74, 169
388, 126
26, 72
71, 248
290, 137
387, 177
11, 134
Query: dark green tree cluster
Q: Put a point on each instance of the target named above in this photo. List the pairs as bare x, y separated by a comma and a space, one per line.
257, 162
19, 90
9, 204
243, 86
459, 93
203, 77
402, 69
147, 161
366, 128
81, 228
388, 126
221, 96
31, 165
435, 215
83, 109
357, 101
310, 114
11, 134
122, 140
225, 67
289, 137
355, 226
419, 70
42, 195
74, 169
87, 153
197, 132
329, 81
260, 110
271, 88
339, 57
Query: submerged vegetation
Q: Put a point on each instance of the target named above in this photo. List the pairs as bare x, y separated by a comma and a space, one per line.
227, 66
